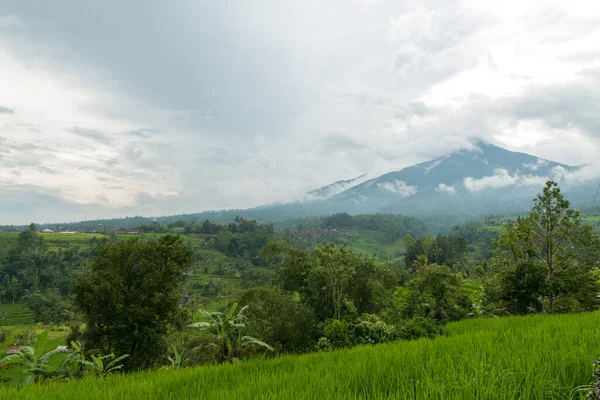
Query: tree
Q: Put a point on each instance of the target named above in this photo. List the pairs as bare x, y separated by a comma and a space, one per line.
435, 293
131, 295
48, 307
553, 240
336, 267
280, 319
228, 331
14, 287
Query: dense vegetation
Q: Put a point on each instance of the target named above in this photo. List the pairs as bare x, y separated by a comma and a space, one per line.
185, 293
534, 357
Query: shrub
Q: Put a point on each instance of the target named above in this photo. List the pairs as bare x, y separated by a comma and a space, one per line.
370, 329
336, 332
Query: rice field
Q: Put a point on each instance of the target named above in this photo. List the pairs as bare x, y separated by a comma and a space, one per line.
539, 357
15, 314
54, 241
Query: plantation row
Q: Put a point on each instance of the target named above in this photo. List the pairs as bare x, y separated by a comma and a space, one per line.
15, 314
534, 357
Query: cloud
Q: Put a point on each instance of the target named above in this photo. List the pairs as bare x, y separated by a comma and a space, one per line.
500, 179
335, 142
399, 187
270, 118
6, 110
335, 188
144, 133
451, 189
90, 134
535, 166
9, 21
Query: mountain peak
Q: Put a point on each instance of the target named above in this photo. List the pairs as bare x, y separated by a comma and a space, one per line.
482, 144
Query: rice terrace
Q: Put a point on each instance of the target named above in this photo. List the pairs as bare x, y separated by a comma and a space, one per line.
540, 357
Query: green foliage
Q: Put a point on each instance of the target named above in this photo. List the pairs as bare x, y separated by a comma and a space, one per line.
131, 295
522, 287
534, 357
243, 238
279, 319
48, 307
336, 332
335, 268
25, 337
15, 314
547, 259
178, 360
435, 293
371, 329
33, 360
80, 364
420, 327
229, 340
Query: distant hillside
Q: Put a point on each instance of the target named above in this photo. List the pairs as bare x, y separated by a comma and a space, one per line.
480, 180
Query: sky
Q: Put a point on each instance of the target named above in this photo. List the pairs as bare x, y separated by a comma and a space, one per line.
120, 108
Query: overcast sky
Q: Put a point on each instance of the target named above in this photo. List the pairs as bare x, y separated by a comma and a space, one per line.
112, 108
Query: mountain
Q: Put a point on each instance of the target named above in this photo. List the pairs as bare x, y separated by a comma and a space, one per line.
328, 191
482, 179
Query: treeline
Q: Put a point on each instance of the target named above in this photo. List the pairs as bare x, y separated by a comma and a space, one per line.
42, 278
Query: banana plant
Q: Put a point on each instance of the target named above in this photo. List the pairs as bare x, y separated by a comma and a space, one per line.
228, 332
80, 363
178, 360
34, 361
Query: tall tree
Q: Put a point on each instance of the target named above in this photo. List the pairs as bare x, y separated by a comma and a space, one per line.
131, 294
552, 238
336, 267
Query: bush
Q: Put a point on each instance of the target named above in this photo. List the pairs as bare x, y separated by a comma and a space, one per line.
370, 329
419, 327
336, 332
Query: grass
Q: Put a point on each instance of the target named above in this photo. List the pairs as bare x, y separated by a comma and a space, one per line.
18, 314
539, 357
56, 241
365, 243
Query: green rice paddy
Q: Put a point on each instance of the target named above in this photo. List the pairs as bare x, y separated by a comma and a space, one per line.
538, 357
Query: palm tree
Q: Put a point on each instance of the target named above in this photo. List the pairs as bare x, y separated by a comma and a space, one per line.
34, 361
228, 333
420, 262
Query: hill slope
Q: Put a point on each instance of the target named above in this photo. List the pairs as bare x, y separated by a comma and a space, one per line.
485, 178
539, 357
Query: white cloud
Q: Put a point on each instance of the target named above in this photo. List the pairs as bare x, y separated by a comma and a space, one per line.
442, 187
399, 187
500, 179
399, 83
9, 21
535, 166
533, 180
335, 188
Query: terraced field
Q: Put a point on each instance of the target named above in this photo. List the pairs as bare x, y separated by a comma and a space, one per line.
539, 357
54, 241
15, 314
